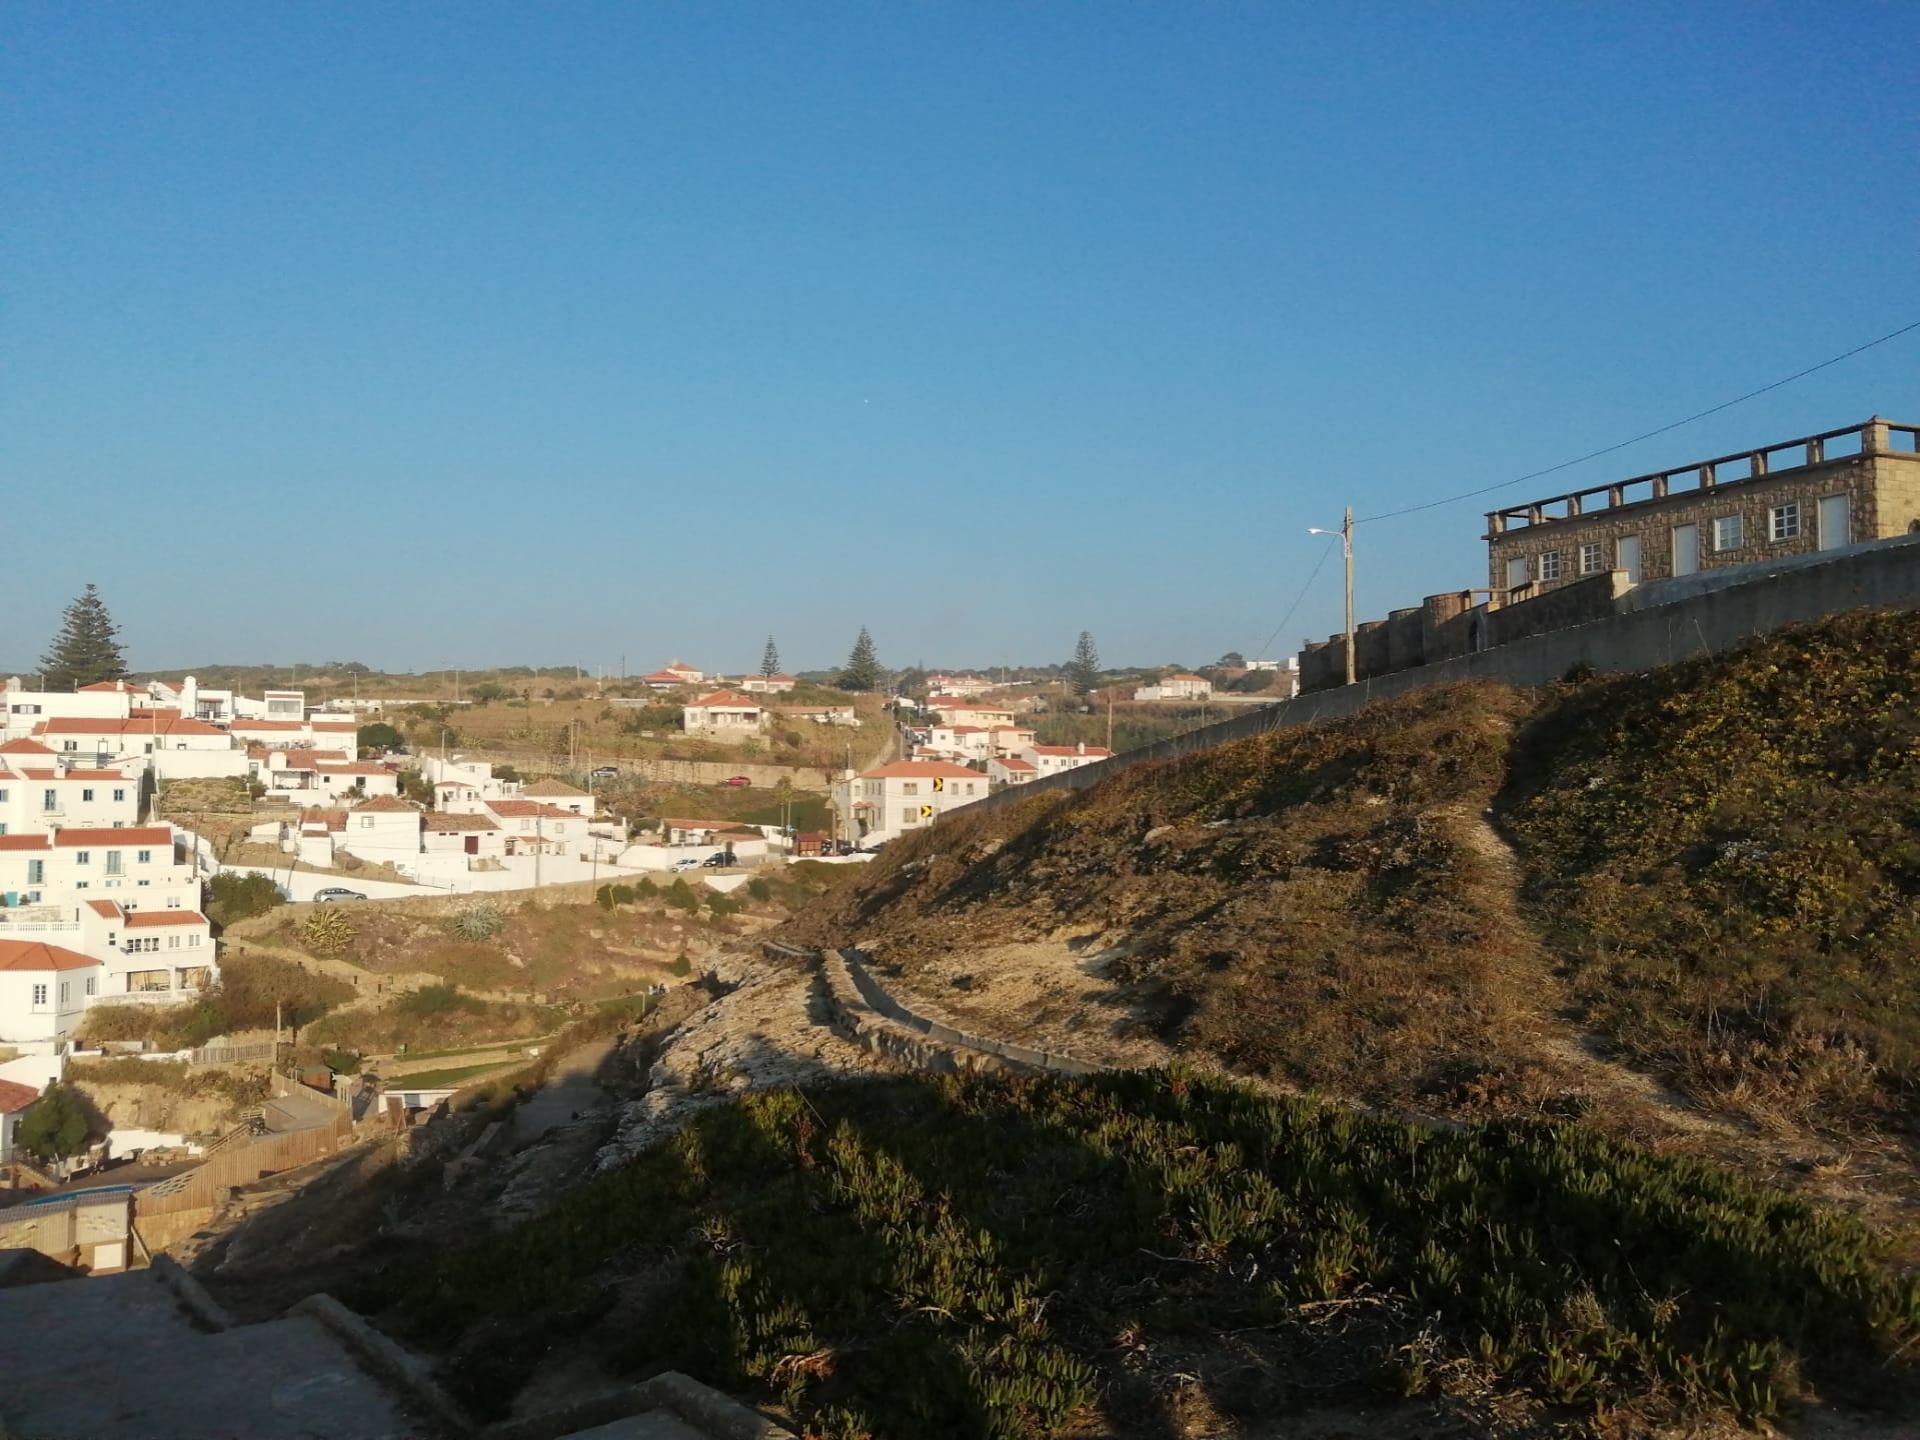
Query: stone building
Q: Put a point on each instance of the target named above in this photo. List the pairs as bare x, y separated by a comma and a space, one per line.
1821, 492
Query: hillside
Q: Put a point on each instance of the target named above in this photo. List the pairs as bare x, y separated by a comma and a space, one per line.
1471, 901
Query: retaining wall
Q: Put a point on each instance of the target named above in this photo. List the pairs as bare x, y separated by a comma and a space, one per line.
1885, 575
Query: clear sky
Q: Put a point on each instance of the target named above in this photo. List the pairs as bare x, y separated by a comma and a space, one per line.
463, 334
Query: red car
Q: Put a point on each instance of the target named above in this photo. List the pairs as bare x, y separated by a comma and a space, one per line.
736, 780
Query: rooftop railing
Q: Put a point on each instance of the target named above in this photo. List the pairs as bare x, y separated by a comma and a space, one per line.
1870, 437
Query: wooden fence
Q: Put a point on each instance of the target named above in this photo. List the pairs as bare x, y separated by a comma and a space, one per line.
200, 1187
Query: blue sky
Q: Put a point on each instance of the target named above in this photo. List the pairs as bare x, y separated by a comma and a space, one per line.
436, 335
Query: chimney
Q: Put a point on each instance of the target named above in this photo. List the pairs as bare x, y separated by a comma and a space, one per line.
1083, 747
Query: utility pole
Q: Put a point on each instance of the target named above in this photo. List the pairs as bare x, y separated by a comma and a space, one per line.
1346, 540
1345, 532
1109, 720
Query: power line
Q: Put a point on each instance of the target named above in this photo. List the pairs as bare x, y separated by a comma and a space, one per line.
1647, 435
1261, 653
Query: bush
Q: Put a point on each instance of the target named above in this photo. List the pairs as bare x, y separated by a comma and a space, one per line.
326, 931
681, 965
680, 895
724, 904
379, 736
232, 898
759, 889
431, 1000
56, 1127
645, 889
603, 897
477, 921
341, 1062
969, 1247
623, 895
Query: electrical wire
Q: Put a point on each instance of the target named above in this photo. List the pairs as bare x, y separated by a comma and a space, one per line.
1646, 435
1261, 654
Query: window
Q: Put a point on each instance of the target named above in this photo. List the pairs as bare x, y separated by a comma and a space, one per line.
1550, 565
143, 857
1593, 559
83, 857
1783, 521
1516, 572
50, 801
36, 872
910, 787
193, 940
118, 795
90, 984
39, 995
113, 863
65, 990
3, 797
1729, 532
366, 822
86, 796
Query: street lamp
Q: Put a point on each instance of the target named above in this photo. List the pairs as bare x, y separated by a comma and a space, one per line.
1345, 532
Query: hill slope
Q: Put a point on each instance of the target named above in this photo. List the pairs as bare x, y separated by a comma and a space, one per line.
1714, 875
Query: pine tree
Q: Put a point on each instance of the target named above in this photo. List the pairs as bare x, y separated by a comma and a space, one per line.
85, 651
770, 660
1084, 669
862, 670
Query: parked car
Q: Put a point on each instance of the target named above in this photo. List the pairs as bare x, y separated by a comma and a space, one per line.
336, 892
717, 861
606, 772
736, 780
681, 865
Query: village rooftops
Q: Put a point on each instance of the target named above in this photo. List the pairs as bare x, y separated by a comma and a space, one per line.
36, 955
39, 774
154, 919
920, 770
1013, 762
384, 804
540, 789
1870, 437
14, 1097
138, 725
725, 700
25, 842
105, 835
24, 746
318, 819
440, 820
526, 810
114, 687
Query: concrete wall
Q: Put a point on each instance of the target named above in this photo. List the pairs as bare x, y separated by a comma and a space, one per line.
1884, 575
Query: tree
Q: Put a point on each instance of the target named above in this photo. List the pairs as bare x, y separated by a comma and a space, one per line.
232, 897
378, 736
1083, 671
56, 1126
85, 651
1232, 660
770, 658
862, 670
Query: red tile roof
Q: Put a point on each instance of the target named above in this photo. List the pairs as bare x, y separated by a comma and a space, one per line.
140, 725
24, 747
34, 955
105, 835
440, 820
1092, 752
148, 919
269, 725
920, 770
526, 809
1012, 762
24, 842
726, 698
70, 774
358, 767
15, 1098
118, 687
388, 804
552, 787
104, 907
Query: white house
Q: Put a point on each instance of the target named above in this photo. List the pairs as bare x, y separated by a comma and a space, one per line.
476, 836
724, 712
43, 992
136, 865
535, 821
176, 747
966, 712
959, 742
24, 708
768, 684
163, 956
1052, 759
904, 796
40, 799
1176, 687
15, 1100
1010, 770
381, 829
462, 779
560, 795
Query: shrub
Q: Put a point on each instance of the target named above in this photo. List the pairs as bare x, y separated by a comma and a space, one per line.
232, 897
724, 904
680, 895
479, 921
603, 897
623, 895
326, 931
56, 1127
759, 889
431, 1000
645, 889
681, 965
